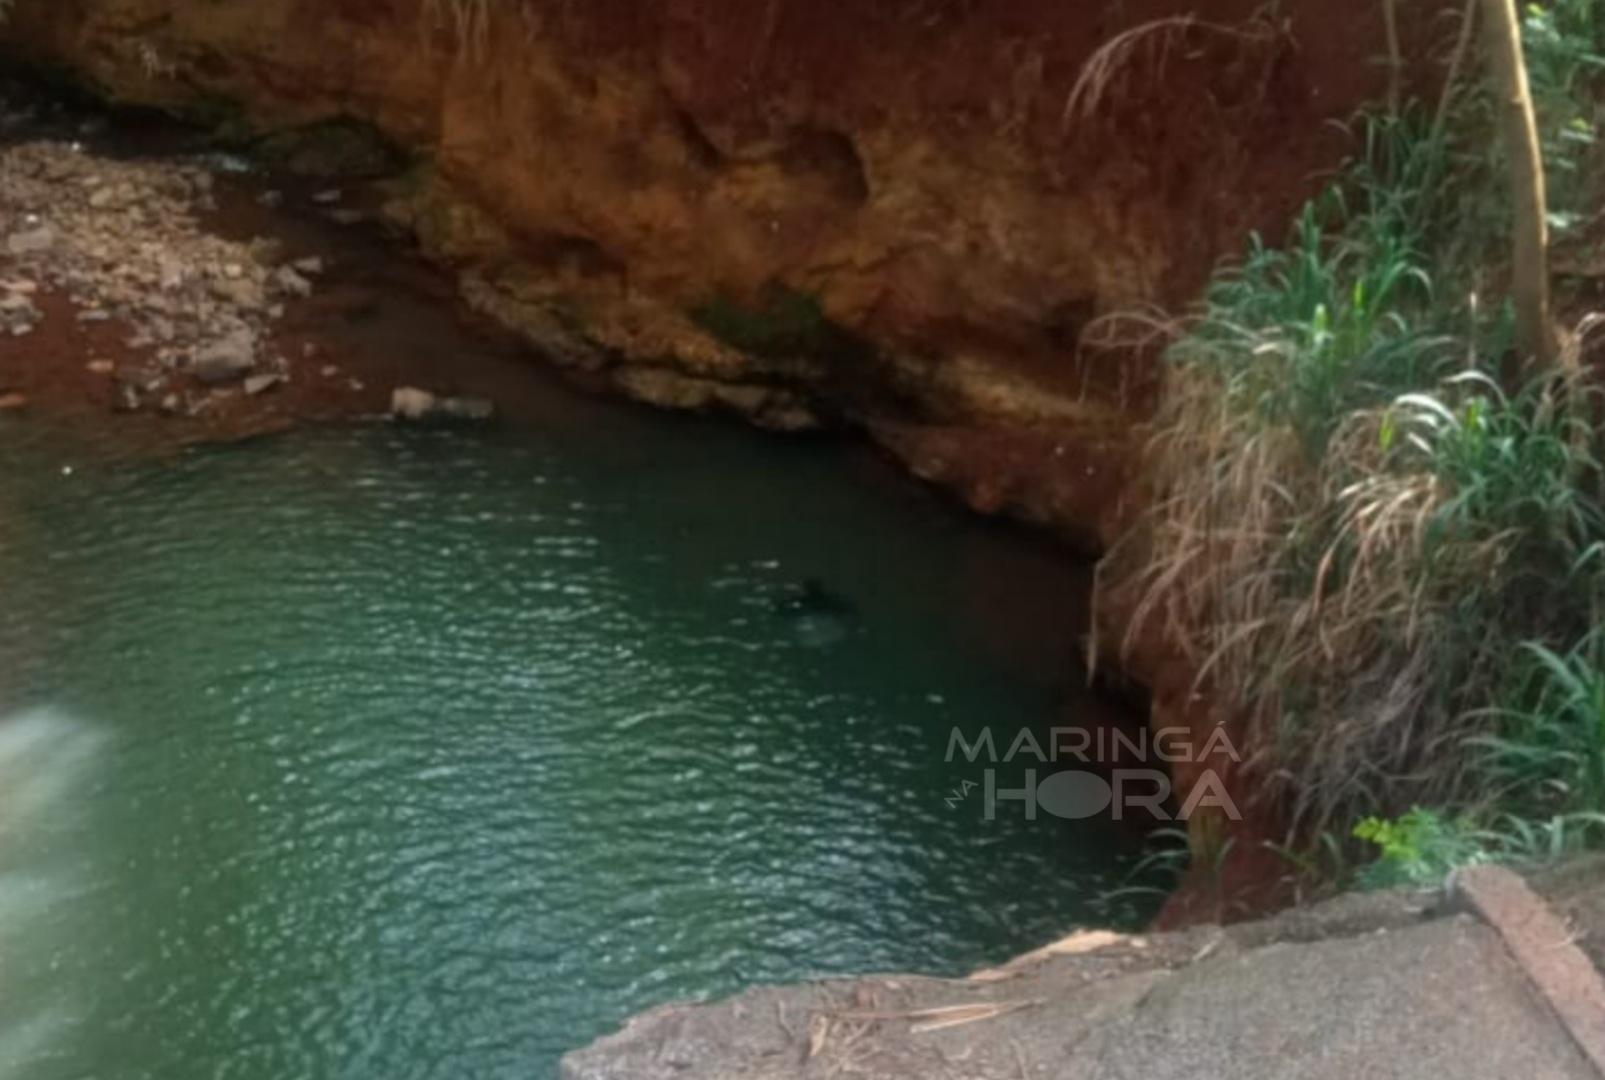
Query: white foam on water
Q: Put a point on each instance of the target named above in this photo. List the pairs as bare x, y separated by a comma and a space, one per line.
47, 758
45, 754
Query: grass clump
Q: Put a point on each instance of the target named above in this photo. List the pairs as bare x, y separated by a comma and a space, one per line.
1546, 756
1383, 550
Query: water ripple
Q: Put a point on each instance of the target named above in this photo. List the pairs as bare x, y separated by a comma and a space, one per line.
373, 753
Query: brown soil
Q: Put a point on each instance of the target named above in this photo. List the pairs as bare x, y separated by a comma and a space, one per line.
1062, 477
51, 369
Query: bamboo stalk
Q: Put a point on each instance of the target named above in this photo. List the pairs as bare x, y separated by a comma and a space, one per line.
1535, 333
1390, 21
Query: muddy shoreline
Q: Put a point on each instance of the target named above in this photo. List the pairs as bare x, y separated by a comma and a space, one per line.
244, 229
258, 243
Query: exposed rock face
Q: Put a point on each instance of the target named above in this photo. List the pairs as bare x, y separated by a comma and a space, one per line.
762, 205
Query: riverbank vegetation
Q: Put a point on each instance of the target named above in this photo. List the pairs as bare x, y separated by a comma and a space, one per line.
1377, 533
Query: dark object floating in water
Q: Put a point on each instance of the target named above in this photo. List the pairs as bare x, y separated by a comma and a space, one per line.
818, 616
812, 597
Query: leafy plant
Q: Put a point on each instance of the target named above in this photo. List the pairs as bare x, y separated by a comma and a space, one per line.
1565, 45
1418, 848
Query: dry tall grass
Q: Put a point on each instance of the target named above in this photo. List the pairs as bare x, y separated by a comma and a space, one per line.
1353, 529
1350, 607
1148, 47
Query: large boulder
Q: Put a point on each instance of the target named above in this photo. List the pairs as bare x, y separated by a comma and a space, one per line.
228, 358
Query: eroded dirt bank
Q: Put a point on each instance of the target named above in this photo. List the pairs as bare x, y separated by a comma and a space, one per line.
884, 210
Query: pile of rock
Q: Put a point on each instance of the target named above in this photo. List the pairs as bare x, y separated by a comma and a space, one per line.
123, 241
18, 315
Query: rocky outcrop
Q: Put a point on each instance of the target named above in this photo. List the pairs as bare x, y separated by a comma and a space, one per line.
889, 210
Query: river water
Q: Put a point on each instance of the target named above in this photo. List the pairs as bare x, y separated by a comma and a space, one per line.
364, 751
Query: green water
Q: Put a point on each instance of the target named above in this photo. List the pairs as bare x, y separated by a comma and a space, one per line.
368, 752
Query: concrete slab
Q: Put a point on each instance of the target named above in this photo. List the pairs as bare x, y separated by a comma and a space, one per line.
1542, 944
1443, 999
1373, 989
